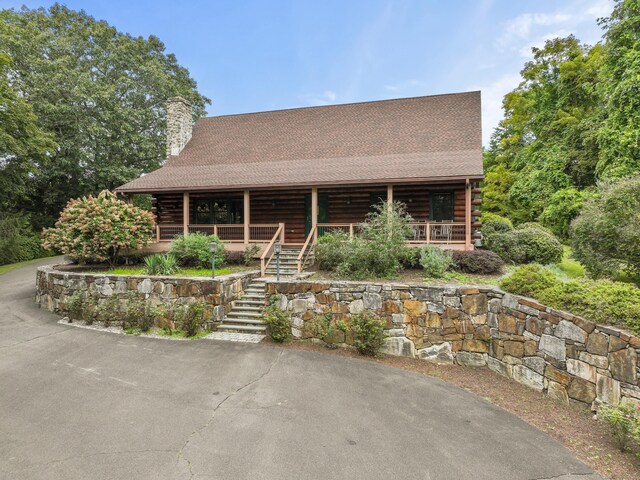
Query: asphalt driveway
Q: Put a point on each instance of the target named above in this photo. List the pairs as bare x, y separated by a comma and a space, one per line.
82, 404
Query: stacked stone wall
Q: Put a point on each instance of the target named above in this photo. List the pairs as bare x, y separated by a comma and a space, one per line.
55, 286
555, 352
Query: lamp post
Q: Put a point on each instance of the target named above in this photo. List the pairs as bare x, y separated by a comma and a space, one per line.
277, 248
213, 248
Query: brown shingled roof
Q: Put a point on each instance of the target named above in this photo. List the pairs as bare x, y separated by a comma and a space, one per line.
403, 140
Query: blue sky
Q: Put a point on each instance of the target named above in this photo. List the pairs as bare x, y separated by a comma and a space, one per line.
258, 55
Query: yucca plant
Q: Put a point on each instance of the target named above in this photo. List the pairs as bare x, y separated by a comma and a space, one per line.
160, 264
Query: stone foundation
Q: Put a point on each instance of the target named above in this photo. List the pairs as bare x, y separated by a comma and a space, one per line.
54, 286
559, 354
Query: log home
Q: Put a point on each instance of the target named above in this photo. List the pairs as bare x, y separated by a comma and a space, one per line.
296, 174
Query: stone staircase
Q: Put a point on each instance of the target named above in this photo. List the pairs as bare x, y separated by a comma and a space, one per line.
245, 316
288, 263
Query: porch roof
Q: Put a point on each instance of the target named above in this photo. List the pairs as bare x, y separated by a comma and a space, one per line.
392, 141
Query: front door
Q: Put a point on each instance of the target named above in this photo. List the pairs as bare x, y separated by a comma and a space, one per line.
323, 211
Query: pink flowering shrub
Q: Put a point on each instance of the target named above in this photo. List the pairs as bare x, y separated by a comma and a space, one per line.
97, 229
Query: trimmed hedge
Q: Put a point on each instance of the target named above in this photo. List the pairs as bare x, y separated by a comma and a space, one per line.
526, 245
482, 262
602, 301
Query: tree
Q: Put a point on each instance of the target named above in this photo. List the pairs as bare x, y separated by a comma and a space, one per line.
99, 92
24, 147
606, 235
99, 228
562, 207
547, 140
619, 135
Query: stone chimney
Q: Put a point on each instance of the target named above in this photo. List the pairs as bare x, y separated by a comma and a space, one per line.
179, 125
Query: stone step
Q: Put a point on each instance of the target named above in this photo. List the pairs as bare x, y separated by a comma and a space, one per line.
249, 303
254, 291
247, 308
244, 314
242, 328
254, 298
236, 321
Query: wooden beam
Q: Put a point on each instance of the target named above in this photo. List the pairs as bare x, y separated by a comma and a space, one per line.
314, 211
467, 215
185, 213
246, 216
389, 194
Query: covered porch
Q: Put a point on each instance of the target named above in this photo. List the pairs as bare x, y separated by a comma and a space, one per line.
444, 213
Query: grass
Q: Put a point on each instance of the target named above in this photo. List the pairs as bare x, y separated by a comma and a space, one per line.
12, 266
568, 268
183, 272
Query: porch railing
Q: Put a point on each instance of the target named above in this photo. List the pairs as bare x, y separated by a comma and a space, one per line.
269, 251
438, 232
233, 233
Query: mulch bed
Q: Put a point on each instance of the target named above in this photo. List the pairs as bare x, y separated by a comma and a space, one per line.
573, 425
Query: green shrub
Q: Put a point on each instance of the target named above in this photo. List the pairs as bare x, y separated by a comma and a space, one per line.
190, 318
250, 251
529, 280
18, 243
601, 301
368, 333
138, 314
492, 223
379, 250
74, 305
605, 237
98, 228
324, 328
435, 261
331, 250
482, 262
278, 321
193, 250
108, 311
161, 264
526, 245
624, 422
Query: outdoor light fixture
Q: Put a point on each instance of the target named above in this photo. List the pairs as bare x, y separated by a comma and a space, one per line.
213, 248
348, 200
277, 249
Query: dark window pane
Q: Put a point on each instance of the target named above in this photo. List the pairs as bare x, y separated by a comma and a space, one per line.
441, 207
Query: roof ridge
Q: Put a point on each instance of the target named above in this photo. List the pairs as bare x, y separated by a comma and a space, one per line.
340, 104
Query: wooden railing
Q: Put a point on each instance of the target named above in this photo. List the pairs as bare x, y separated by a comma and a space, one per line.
230, 232
167, 232
306, 249
438, 232
267, 255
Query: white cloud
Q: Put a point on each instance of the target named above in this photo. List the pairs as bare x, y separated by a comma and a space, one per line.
520, 27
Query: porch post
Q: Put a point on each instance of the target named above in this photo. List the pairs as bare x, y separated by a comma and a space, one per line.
185, 213
245, 216
389, 207
467, 215
389, 195
314, 212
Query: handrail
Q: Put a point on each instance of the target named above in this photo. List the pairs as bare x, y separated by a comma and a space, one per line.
302, 258
263, 265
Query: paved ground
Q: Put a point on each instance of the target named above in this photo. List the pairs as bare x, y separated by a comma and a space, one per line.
83, 404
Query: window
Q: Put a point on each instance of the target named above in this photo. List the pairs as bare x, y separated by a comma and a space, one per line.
441, 207
219, 211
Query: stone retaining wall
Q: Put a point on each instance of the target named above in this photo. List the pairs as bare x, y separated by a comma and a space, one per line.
55, 285
562, 355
